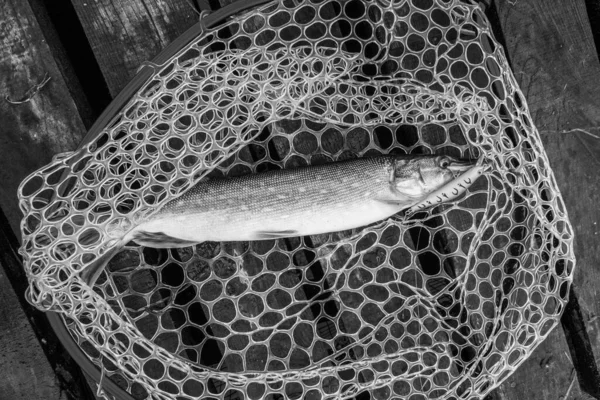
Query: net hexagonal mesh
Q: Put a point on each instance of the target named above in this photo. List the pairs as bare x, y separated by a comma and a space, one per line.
445, 303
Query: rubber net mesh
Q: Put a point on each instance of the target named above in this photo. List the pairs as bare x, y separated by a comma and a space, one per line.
445, 303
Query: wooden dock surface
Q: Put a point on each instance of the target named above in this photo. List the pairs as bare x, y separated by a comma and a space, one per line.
550, 46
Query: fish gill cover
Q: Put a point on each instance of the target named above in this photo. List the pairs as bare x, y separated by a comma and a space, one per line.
444, 304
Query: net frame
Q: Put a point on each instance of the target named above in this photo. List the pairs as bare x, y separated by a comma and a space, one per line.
58, 288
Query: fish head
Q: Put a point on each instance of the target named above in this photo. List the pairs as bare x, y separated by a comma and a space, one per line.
418, 176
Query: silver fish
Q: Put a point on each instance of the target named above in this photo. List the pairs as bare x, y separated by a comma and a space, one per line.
294, 202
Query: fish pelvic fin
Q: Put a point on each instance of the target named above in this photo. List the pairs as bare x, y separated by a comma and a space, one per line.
159, 240
266, 235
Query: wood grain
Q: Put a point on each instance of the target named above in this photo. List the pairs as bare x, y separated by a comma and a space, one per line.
555, 61
124, 34
27, 374
553, 56
30, 133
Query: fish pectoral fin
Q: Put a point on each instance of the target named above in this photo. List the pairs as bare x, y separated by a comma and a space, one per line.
160, 240
393, 202
265, 235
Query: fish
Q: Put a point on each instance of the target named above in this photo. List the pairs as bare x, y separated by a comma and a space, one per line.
293, 202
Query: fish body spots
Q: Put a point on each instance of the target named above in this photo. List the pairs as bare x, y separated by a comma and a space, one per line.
302, 189
267, 209
281, 196
244, 207
355, 185
323, 191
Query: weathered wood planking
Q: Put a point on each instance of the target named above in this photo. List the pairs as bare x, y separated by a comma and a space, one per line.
124, 34
30, 134
19, 346
555, 61
552, 53
27, 374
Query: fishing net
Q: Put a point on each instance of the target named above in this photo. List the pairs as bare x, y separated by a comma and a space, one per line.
444, 303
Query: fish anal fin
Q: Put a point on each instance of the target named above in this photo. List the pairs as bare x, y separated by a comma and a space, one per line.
160, 240
266, 235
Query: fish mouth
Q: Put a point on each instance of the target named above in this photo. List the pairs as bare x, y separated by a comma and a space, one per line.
457, 167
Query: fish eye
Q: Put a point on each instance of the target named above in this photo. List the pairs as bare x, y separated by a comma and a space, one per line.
444, 162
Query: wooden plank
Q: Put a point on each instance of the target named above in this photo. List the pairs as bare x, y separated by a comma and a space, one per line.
575, 161
125, 34
582, 355
553, 56
552, 53
69, 46
27, 374
30, 134
24, 359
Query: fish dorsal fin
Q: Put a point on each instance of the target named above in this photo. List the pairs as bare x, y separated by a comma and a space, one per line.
265, 235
